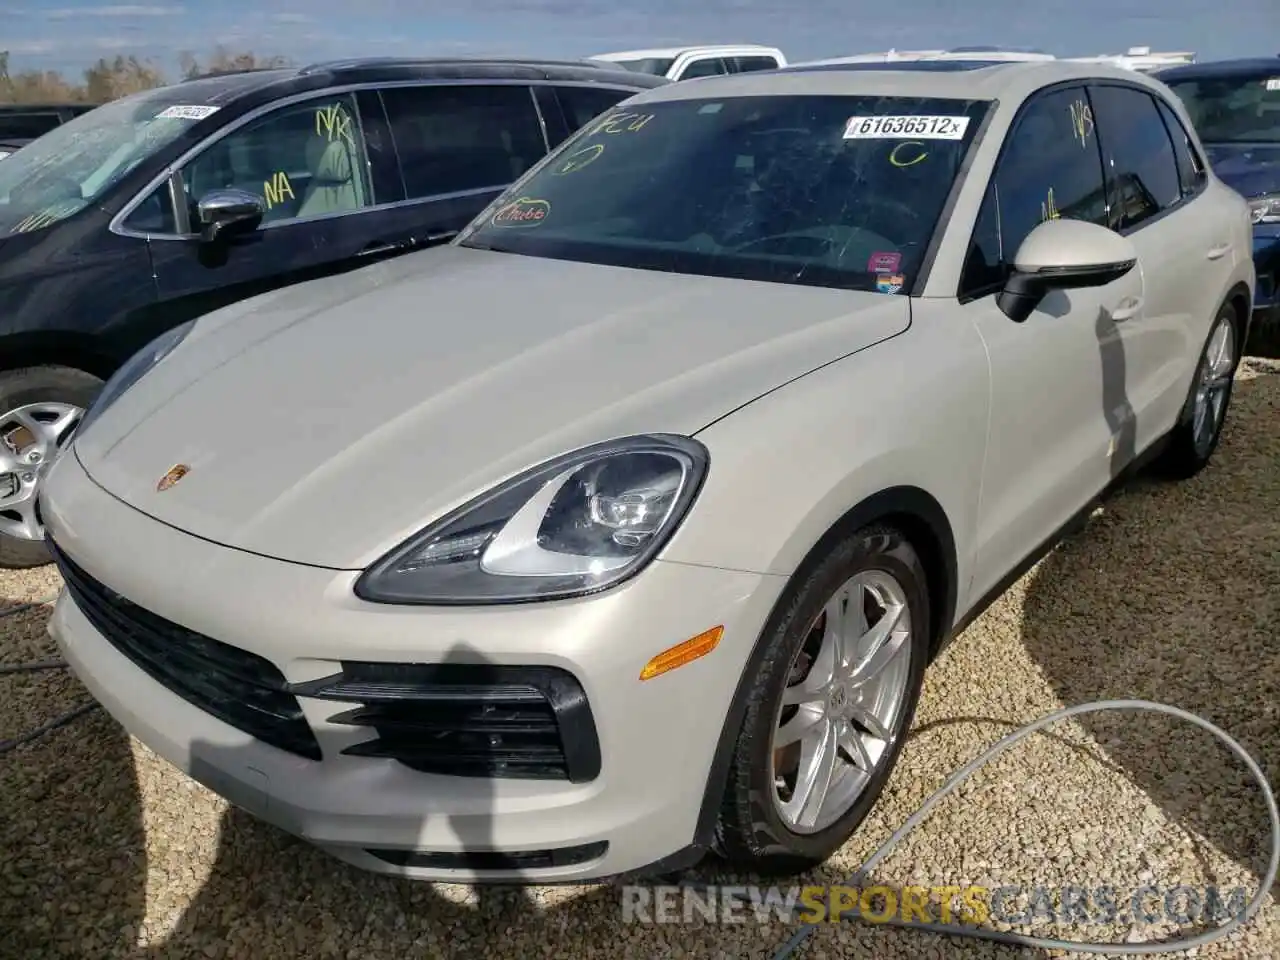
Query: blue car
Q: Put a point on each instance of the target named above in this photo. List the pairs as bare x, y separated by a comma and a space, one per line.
1235, 106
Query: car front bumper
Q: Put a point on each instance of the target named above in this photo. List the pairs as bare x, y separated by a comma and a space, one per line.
656, 738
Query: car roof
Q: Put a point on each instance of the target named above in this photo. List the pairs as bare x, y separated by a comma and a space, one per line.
671, 53
222, 88
1242, 67
46, 105
955, 79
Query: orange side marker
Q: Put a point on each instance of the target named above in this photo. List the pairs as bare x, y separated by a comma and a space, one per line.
682, 653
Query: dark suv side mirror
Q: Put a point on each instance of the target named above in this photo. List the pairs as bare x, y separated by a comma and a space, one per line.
1063, 255
228, 213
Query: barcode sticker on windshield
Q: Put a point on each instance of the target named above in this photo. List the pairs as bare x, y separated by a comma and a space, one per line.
906, 128
1273, 83
186, 113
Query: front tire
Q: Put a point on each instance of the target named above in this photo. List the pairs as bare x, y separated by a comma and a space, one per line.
829, 705
1194, 438
40, 408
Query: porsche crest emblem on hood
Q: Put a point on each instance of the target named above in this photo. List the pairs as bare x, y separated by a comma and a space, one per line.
176, 473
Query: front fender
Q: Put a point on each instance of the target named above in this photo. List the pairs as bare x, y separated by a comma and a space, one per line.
910, 412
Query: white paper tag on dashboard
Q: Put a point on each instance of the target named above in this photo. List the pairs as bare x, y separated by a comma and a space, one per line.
186, 113
906, 128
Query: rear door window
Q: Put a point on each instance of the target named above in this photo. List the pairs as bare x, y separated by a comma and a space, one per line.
704, 67
1191, 169
456, 138
583, 104
1142, 172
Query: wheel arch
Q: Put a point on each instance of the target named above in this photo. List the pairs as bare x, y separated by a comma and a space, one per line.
1240, 298
919, 516
79, 351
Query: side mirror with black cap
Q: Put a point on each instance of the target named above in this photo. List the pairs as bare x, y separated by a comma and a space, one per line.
1063, 255
224, 214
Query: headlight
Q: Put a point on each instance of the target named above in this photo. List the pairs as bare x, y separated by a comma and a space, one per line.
134, 369
572, 526
1265, 209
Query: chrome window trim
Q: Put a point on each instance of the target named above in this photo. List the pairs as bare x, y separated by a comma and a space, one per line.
542, 121
117, 226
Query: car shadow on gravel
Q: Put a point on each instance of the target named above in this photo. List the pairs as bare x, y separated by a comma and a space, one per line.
72, 843
1172, 594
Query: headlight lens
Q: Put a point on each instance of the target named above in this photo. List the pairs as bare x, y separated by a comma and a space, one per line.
1265, 209
134, 369
572, 526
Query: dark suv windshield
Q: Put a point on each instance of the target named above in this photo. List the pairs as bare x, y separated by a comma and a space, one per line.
75, 164
822, 190
1233, 109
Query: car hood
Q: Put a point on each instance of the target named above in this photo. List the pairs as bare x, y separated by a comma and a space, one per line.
1250, 169
326, 422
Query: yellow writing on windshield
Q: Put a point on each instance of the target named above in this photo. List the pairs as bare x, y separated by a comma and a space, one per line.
1082, 121
334, 123
276, 189
914, 153
623, 123
578, 159
1049, 208
36, 221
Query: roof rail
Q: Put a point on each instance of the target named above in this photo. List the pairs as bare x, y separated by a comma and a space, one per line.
230, 73
355, 62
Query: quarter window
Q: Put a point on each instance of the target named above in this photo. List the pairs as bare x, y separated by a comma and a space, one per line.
306, 160
1142, 172
154, 214
456, 138
1050, 169
751, 64
1191, 171
584, 104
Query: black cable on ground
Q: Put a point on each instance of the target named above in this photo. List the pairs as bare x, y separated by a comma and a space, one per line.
35, 667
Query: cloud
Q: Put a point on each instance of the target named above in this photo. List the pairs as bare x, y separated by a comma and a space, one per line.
291, 18
119, 10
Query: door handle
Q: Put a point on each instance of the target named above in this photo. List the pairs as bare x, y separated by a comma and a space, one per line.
1127, 310
374, 249
1218, 252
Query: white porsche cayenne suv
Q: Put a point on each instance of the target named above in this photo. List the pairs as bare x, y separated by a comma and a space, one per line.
623, 528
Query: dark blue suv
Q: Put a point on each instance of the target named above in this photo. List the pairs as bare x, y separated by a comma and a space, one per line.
1235, 106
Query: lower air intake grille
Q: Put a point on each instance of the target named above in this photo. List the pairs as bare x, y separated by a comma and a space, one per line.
468, 720
239, 688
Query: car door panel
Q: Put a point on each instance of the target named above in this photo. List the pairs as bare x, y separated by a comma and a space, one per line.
1176, 245
308, 162
1057, 428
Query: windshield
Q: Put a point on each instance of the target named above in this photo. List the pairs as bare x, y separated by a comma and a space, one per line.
71, 166
1233, 109
820, 190
658, 66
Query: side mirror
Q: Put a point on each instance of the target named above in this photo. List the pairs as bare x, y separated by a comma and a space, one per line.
1063, 255
228, 213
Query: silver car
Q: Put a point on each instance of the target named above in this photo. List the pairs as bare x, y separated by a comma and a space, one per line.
623, 528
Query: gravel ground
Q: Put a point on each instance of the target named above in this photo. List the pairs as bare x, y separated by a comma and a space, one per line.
1171, 594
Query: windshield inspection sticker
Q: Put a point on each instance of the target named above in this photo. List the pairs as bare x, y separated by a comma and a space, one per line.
889, 282
525, 212
884, 262
186, 113
906, 128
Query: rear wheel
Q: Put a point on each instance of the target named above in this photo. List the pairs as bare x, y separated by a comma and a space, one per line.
40, 408
829, 706
1195, 437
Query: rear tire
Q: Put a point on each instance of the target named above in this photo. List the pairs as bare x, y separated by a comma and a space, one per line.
23, 391
764, 825
1194, 438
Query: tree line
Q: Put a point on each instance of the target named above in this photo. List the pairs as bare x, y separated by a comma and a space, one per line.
119, 76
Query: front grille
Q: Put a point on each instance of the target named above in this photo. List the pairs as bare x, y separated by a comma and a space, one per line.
468, 720
238, 687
